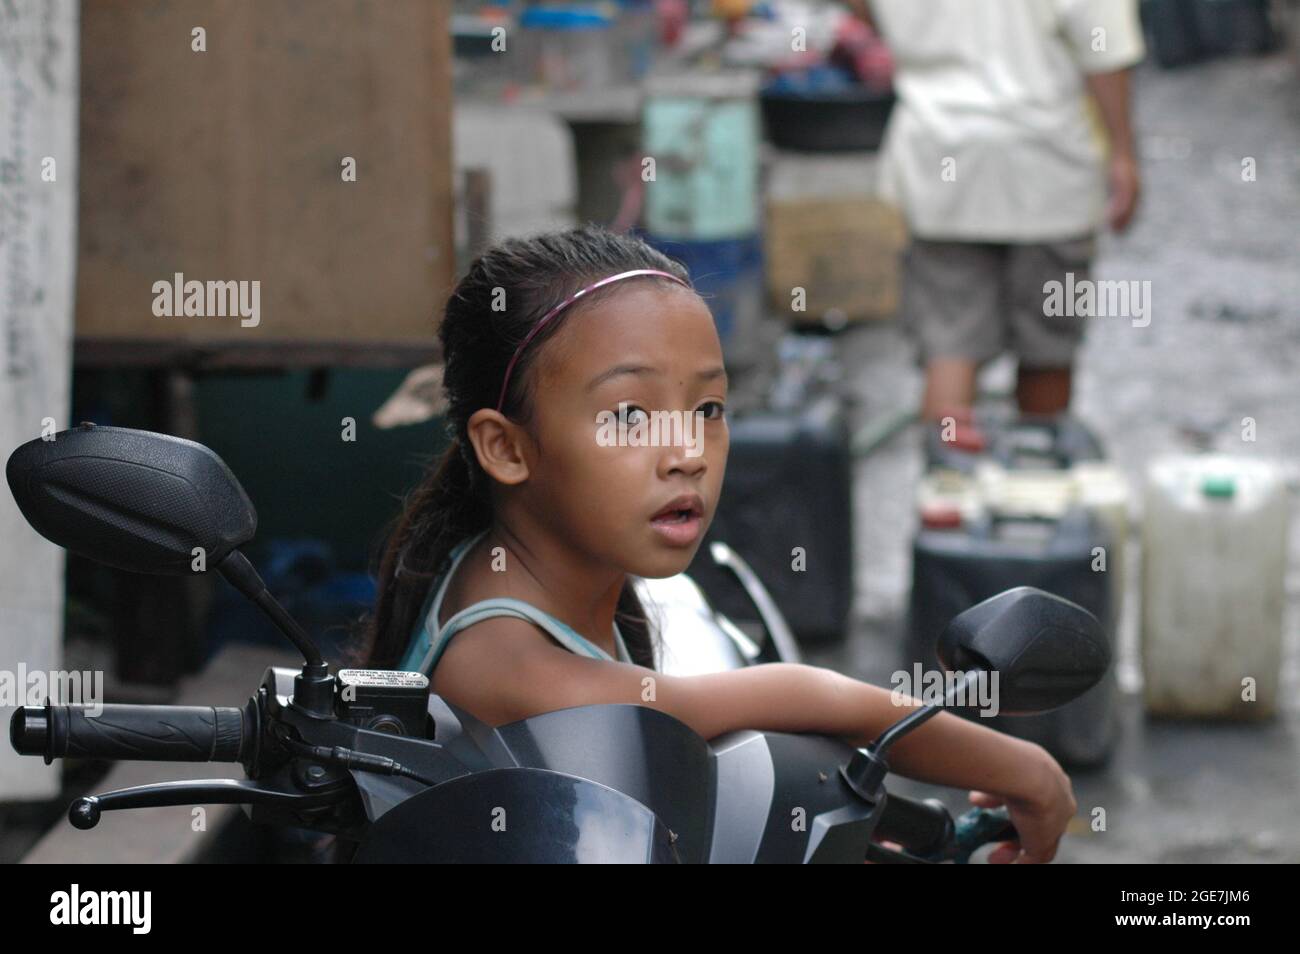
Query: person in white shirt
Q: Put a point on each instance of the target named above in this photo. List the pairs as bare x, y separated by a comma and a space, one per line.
999, 170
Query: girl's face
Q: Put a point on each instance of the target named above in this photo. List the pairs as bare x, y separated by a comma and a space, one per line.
631, 434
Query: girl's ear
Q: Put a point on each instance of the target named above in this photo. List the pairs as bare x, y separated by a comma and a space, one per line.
498, 443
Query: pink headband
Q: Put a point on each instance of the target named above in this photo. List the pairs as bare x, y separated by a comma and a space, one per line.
546, 318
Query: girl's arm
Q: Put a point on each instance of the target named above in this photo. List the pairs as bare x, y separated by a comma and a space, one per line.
505, 670
946, 750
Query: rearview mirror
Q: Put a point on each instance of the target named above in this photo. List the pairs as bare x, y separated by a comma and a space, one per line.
132, 499
1046, 650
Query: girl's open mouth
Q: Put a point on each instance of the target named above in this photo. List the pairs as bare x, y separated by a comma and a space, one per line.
680, 522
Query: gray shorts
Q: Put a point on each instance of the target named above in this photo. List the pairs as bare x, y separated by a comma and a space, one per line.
975, 300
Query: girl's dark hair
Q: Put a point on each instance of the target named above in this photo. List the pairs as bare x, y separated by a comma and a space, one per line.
505, 292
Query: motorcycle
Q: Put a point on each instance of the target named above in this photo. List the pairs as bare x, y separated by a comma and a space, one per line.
398, 774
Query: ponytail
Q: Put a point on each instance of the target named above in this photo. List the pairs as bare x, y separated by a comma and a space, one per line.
449, 504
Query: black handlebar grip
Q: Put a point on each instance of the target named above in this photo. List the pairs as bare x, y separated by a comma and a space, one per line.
921, 827
131, 732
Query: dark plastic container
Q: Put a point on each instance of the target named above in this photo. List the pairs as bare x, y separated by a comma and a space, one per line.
789, 484
1170, 27
1233, 27
835, 118
955, 568
1189, 31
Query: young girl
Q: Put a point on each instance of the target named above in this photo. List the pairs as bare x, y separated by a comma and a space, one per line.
520, 543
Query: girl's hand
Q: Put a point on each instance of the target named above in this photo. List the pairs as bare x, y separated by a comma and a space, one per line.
1040, 819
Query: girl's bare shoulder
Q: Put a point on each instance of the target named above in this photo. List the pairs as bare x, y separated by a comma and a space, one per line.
472, 582
492, 668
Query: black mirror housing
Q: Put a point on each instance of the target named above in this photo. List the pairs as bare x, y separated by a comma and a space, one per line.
1046, 650
132, 499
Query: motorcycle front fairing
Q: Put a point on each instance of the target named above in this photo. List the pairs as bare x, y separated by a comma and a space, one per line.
518, 816
619, 783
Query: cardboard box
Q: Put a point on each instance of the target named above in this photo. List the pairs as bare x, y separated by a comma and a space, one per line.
226, 164
844, 252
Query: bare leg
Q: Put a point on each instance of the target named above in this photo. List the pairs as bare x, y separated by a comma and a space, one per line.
1043, 390
949, 386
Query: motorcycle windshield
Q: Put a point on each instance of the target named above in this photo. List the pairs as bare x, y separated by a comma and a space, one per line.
646, 758
636, 750
742, 797
518, 816
665, 793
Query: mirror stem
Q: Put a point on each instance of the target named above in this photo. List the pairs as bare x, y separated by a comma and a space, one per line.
865, 772
916, 719
243, 577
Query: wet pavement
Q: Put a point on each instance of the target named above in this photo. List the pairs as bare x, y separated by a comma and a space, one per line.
1223, 343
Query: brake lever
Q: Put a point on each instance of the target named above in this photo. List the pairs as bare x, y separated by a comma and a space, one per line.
84, 813
878, 854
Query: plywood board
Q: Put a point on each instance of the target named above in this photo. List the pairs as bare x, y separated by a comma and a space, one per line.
227, 165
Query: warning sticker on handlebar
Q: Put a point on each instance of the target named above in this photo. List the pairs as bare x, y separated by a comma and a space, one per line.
383, 679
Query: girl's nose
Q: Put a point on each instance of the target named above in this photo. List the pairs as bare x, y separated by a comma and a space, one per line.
683, 460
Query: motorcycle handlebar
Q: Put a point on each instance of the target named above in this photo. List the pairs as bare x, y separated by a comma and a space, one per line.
927, 831
922, 827
133, 732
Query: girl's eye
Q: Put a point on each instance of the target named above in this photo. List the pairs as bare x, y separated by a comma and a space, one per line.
628, 414
713, 410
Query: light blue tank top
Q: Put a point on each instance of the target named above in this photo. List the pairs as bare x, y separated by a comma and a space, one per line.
428, 642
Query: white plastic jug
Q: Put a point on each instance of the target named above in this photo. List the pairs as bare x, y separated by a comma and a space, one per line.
1213, 579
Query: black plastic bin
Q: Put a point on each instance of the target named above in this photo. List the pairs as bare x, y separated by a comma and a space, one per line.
826, 121
1188, 31
789, 484
1228, 27
1170, 27
953, 569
